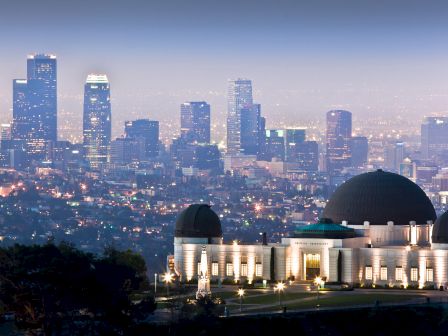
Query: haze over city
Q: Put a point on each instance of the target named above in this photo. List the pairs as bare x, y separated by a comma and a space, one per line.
382, 58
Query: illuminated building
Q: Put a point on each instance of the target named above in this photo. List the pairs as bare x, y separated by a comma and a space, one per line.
239, 96
434, 137
147, 131
338, 140
97, 120
195, 122
378, 228
34, 126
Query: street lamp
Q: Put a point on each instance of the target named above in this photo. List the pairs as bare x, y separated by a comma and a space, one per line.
241, 294
280, 288
318, 281
168, 278
155, 284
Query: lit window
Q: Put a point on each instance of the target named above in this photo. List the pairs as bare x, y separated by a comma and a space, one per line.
229, 269
369, 273
215, 269
399, 274
243, 269
414, 274
383, 273
429, 274
258, 270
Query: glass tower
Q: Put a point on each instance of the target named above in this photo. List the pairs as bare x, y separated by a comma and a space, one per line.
338, 142
195, 122
148, 132
239, 96
97, 120
34, 125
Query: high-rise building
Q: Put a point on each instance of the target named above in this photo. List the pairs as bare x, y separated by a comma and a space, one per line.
146, 130
360, 150
293, 137
394, 154
127, 150
239, 96
250, 129
34, 128
42, 83
195, 122
307, 156
338, 139
97, 120
434, 137
275, 144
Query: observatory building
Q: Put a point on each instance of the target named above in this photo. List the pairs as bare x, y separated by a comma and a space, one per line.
377, 228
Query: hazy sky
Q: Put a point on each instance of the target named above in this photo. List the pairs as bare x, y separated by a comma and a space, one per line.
304, 57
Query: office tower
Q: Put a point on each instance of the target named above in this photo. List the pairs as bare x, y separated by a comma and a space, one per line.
250, 129
360, 150
124, 151
42, 84
34, 125
239, 96
275, 144
293, 137
434, 137
208, 158
97, 120
146, 130
262, 139
394, 154
307, 156
339, 133
195, 122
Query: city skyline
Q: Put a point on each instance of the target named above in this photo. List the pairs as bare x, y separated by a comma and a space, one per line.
304, 59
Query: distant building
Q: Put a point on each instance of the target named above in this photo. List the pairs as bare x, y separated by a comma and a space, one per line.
250, 129
147, 131
97, 120
338, 140
275, 144
359, 147
293, 138
239, 96
124, 151
434, 137
195, 122
394, 154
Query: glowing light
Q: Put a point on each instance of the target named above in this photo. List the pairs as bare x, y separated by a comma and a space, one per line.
167, 277
240, 292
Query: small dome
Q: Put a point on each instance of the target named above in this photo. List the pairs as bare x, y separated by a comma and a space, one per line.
379, 197
440, 230
198, 221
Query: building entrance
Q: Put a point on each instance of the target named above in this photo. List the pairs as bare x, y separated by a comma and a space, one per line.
312, 266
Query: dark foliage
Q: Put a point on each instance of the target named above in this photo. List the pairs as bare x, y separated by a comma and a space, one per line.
58, 288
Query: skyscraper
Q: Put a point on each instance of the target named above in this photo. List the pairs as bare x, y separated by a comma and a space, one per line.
294, 137
250, 129
97, 120
434, 137
359, 150
195, 122
239, 96
147, 131
338, 138
42, 83
34, 128
275, 144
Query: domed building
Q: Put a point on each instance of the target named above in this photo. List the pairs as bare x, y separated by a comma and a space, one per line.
377, 228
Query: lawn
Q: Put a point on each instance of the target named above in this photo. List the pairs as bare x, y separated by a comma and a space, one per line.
353, 300
273, 298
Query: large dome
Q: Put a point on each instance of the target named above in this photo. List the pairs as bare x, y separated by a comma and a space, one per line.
379, 197
198, 221
440, 230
